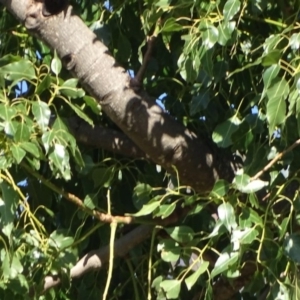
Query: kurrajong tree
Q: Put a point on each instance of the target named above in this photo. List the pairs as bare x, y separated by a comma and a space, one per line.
149, 149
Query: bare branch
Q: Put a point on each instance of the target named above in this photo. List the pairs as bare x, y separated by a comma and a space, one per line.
275, 159
95, 260
137, 81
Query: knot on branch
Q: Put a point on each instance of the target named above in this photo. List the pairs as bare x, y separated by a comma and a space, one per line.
34, 15
69, 61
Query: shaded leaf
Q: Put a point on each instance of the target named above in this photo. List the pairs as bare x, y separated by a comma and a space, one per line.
181, 234
291, 247
42, 114
223, 132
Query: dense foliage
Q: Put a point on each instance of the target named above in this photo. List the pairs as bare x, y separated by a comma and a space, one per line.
229, 71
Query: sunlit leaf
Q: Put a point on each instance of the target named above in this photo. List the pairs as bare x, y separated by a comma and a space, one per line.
231, 8
227, 216
171, 288
42, 113
225, 261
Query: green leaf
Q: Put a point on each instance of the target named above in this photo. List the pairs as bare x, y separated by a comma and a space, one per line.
170, 250
10, 128
147, 209
171, 288
291, 247
18, 153
241, 181
43, 85
210, 35
223, 132
249, 217
62, 134
141, 195
272, 43
11, 266
69, 89
245, 185
253, 186
245, 236
163, 3
92, 103
42, 114
31, 148
279, 89
283, 227
225, 30
102, 177
181, 234
59, 160
224, 262
276, 108
187, 71
171, 26
90, 201
7, 112
165, 210
199, 102
231, 8
227, 216
271, 58
78, 110
270, 74
220, 188
191, 280
22, 133
295, 41
47, 139
61, 241
8, 206
19, 285
56, 65
18, 71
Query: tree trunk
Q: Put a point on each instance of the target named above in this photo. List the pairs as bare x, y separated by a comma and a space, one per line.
163, 139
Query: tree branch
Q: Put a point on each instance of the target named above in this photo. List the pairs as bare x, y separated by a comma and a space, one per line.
104, 138
275, 159
95, 260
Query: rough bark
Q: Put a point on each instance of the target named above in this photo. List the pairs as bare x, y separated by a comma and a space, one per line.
166, 141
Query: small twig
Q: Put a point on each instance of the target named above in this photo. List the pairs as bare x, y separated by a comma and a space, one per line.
275, 159
105, 218
137, 81
113, 229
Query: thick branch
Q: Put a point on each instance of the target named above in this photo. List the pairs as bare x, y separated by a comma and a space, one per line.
95, 260
104, 138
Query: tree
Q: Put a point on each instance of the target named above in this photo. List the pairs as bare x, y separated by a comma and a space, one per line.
163, 155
